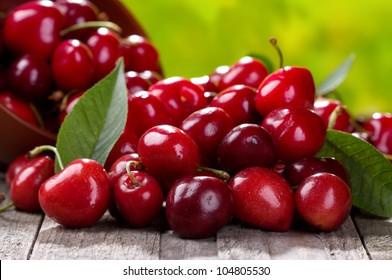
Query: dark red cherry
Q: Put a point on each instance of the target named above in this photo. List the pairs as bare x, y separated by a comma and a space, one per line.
238, 102
136, 82
198, 206
379, 127
68, 56
210, 83
207, 127
168, 153
34, 27
246, 71
296, 131
288, 86
246, 145
30, 77
105, 46
15, 167
19, 107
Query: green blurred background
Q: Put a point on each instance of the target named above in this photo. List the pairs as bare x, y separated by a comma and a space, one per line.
193, 37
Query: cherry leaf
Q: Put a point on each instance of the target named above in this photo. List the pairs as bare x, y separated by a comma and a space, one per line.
370, 171
337, 77
97, 120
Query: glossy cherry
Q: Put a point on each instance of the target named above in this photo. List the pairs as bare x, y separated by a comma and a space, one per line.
246, 145
297, 132
379, 127
168, 153
139, 54
198, 206
263, 199
78, 195
30, 77
246, 71
288, 86
325, 107
298, 171
180, 96
19, 107
40, 22
26, 183
324, 201
210, 83
137, 81
207, 127
138, 197
68, 56
238, 102
15, 167
105, 46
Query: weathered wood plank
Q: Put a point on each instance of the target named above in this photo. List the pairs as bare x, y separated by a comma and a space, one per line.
239, 242
17, 230
106, 240
376, 234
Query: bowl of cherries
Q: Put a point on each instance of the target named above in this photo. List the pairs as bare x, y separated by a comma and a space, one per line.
53, 51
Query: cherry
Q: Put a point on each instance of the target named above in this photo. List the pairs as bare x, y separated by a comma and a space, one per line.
298, 171
246, 71
19, 107
139, 54
145, 111
137, 81
26, 183
288, 86
180, 96
238, 102
207, 127
105, 46
168, 153
263, 199
297, 132
15, 167
30, 77
40, 23
244, 146
198, 206
138, 197
210, 83
68, 56
324, 201
78, 195
379, 127
325, 107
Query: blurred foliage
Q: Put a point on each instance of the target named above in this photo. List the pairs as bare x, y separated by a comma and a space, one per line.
195, 36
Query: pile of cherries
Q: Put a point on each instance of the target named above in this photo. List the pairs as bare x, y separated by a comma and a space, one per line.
239, 143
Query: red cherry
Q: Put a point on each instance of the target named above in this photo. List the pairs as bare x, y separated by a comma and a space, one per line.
324, 201
379, 126
15, 167
68, 56
288, 86
180, 96
246, 145
139, 54
210, 83
297, 132
263, 199
247, 71
138, 197
29, 76
118, 168
136, 82
26, 183
78, 195
19, 107
168, 153
34, 27
238, 102
198, 206
105, 46
207, 127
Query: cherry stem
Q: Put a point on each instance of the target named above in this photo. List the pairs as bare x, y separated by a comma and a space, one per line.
334, 115
129, 172
274, 43
220, 173
37, 115
37, 150
92, 24
6, 207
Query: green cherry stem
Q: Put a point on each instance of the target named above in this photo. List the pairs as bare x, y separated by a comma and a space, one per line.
92, 24
129, 172
6, 207
274, 43
37, 150
220, 173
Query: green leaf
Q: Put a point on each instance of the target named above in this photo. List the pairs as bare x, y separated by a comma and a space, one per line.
96, 122
370, 171
337, 77
265, 60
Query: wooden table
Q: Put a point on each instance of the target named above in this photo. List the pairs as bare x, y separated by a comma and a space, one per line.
33, 236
